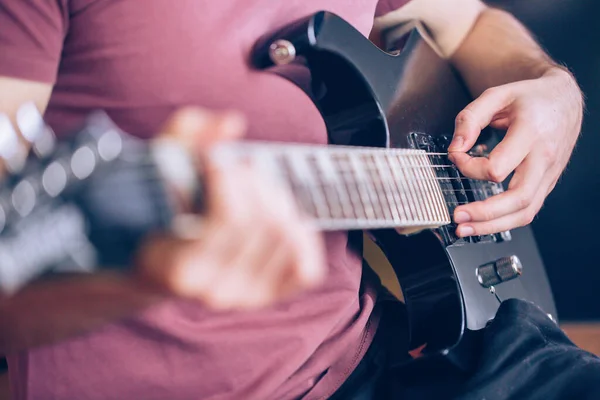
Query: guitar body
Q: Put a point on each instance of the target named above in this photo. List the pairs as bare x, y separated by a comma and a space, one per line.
87, 202
369, 97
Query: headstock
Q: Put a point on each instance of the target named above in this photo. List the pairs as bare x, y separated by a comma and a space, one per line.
76, 204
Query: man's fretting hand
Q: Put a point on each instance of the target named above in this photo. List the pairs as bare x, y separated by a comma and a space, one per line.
254, 247
543, 120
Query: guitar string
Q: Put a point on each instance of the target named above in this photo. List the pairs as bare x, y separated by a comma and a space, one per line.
409, 167
363, 181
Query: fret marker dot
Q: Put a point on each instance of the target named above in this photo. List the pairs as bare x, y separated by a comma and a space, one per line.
83, 162
23, 198
54, 179
110, 145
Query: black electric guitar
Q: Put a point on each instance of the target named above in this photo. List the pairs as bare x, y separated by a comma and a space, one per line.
87, 201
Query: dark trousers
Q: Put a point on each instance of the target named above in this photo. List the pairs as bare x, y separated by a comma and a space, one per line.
524, 355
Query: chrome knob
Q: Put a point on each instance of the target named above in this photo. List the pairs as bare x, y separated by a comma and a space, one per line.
282, 52
501, 270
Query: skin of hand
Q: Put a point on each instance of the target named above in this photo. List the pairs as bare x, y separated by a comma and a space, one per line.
254, 247
542, 118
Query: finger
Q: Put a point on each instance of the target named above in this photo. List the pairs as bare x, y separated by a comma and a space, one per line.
224, 181
200, 128
176, 262
310, 265
477, 115
235, 285
503, 159
527, 180
507, 222
185, 267
255, 276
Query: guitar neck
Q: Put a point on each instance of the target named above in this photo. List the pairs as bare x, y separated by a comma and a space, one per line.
344, 188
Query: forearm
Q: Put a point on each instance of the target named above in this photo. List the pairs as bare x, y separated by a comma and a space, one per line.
50, 311
498, 50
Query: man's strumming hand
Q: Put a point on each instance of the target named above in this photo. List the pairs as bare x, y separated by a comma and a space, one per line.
543, 119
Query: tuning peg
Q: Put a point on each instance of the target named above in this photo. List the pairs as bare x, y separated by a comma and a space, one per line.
33, 128
12, 151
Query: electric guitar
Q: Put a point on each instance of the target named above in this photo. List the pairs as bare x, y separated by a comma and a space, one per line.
86, 201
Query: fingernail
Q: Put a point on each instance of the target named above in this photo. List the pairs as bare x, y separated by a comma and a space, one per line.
466, 231
461, 217
456, 143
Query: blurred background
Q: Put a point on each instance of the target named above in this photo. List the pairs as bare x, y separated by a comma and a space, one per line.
566, 226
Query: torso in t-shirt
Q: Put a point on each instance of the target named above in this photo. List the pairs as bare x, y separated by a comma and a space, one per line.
139, 60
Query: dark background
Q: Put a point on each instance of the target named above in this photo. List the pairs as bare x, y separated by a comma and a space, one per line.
567, 226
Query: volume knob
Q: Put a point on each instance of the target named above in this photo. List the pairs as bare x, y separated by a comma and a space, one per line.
501, 270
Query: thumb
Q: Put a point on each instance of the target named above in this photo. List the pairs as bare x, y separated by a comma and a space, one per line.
478, 115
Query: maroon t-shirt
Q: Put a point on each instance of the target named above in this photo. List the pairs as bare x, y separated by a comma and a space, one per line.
139, 60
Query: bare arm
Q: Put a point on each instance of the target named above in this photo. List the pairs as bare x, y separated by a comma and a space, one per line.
488, 46
499, 50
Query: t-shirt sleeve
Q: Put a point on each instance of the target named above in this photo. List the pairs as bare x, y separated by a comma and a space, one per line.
32, 33
385, 6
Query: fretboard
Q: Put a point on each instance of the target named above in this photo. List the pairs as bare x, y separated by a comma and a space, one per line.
343, 187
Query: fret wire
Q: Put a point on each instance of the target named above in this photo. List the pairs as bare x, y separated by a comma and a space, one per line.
449, 186
444, 183
373, 198
424, 182
409, 192
325, 162
404, 189
422, 187
435, 190
430, 193
359, 176
297, 187
322, 184
371, 187
407, 167
412, 190
441, 200
302, 171
348, 177
400, 196
391, 197
363, 179
408, 177
377, 185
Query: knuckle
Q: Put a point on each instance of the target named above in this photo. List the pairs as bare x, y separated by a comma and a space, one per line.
496, 173
523, 200
465, 116
528, 217
492, 92
549, 151
488, 215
